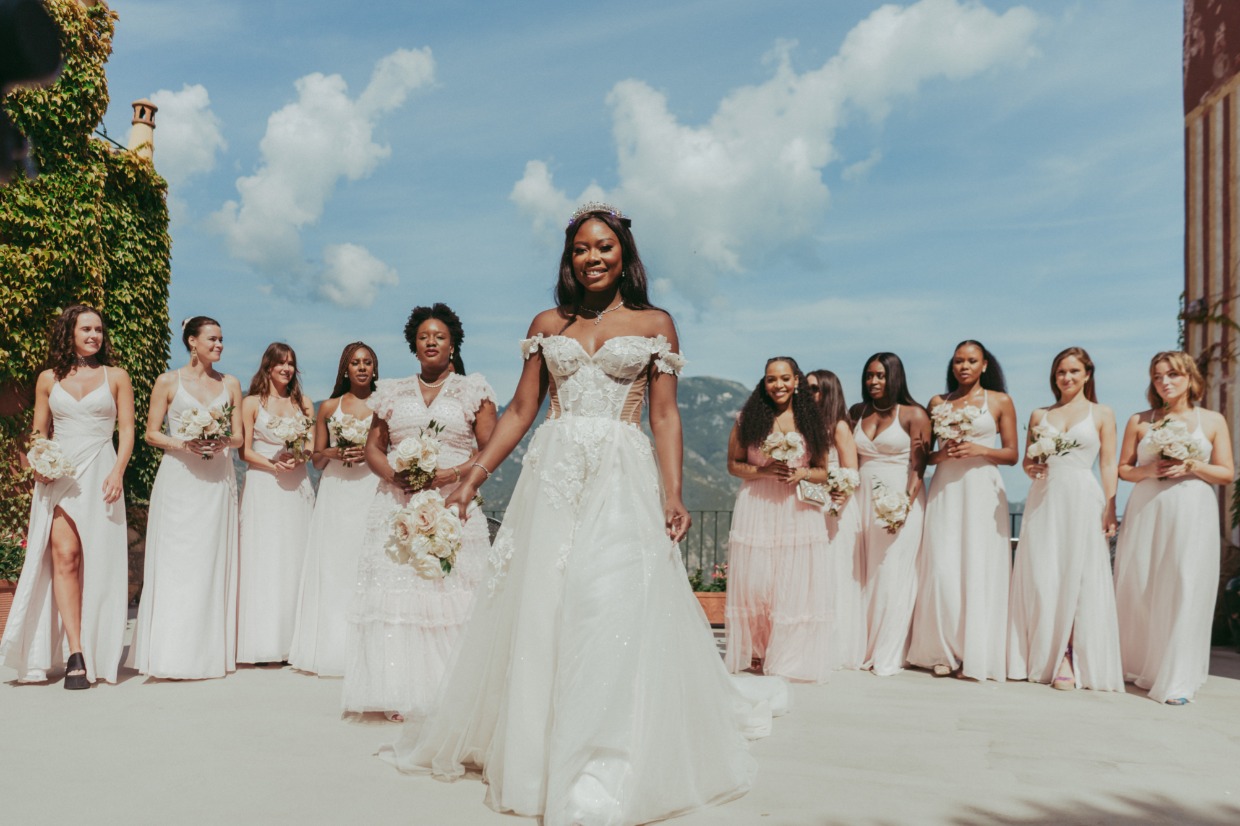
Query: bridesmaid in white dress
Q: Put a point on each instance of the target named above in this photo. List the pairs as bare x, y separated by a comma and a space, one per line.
1062, 624
346, 491
402, 627
187, 619
73, 585
276, 504
960, 622
893, 439
847, 574
1167, 561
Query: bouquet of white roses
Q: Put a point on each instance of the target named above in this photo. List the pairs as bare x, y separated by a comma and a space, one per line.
1048, 442
48, 460
348, 431
425, 535
954, 424
784, 447
295, 431
1175, 442
205, 424
890, 508
417, 457
841, 480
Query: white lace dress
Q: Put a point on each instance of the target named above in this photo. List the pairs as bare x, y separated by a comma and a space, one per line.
588, 688
402, 628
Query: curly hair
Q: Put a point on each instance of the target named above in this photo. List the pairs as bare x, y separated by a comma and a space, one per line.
342, 371
758, 416
193, 325
1181, 362
897, 384
831, 404
442, 313
992, 376
1083, 357
277, 352
634, 291
61, 354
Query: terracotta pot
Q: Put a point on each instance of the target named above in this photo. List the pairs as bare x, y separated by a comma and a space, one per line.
7, 589
712, 603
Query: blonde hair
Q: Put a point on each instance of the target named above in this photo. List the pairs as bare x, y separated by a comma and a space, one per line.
1181, 362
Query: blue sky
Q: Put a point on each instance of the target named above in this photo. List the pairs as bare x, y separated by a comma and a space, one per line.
824, 180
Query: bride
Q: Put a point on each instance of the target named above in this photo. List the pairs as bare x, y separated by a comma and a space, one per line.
587, 687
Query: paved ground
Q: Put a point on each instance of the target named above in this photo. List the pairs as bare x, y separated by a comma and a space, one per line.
267, 746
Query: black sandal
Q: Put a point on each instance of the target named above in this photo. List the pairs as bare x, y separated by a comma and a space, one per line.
73, 682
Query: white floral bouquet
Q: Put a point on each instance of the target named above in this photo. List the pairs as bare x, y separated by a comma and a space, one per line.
425, 535
1175, 442
294, 431
841, 480
890, 508
48, 459
1048, 442
348, 431
954, 424
417, 457
784, 447
205, 424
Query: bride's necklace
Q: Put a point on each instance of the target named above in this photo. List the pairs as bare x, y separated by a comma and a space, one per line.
598, 314
878, 409
426, 383
84, 361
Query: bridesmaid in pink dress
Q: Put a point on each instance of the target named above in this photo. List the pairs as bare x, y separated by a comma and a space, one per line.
778, 610
1167, 561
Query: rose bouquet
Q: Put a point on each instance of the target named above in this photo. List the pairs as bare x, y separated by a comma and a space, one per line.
417, 457
294, 431
1048, 442
784, 447
841, 480
1175, 442
348, 431
954, 424
205, 424
48, 460
890, 508
425, 535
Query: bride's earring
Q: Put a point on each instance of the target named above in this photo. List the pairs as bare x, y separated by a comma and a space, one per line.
193, 359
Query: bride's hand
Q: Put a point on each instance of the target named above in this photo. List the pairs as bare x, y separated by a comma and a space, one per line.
461, 499
676, 517
113, 487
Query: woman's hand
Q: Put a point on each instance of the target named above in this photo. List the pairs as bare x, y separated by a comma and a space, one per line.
40, 478
353, 454
676, 518
964, 450
461, 498
784, 473
1110, 524
446, 476
206, 448
1172, 469
840, 498
284, 461
1036, 471
113, 486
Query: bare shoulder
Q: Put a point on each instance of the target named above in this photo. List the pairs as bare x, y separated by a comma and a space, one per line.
249, 405
547, 323
1104, 413
1138, 419
915, 412
935, 401
855, 411
45, 381
843, 430
1213, 418
119, 377
329, 406
654, 323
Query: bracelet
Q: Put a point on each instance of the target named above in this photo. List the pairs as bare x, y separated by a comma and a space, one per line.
456, 474
484, 470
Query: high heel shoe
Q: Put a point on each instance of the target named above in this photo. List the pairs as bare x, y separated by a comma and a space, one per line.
75, 682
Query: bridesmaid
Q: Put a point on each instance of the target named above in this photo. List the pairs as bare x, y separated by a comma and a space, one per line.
187, 619
346, 490
74, 582
1062, 626
893, 437
1167, 562
960, 622
402, 627
778, 606
276, 505
847, 647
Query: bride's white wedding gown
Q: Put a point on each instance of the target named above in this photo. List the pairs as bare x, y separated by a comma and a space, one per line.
587, 688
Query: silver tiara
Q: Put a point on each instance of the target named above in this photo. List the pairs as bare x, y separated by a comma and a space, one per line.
599, 206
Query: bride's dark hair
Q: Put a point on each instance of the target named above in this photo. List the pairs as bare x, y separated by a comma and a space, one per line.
61, 357
634, 291
758, 415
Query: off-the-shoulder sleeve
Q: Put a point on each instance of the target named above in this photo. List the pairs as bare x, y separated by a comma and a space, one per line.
473, 392
383, 399
530, 346
665, 361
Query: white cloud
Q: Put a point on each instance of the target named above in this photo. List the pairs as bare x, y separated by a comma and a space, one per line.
352, 276
187, 133
857, 171
310, 145
708, 199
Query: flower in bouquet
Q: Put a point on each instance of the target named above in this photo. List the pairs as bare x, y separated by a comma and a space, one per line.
425, 535
348, 431
205, 424
48, 460
417, 457
784, 447
890, 507
953, 424
294, 431
1048, 442
841, 480
1175, 442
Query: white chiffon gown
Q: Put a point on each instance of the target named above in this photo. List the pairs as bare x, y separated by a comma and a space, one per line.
1061, 583
1166, 579
966, 561
33, 636
187, 619
275, 521
889, 560
401, 627
588, 688
330, 572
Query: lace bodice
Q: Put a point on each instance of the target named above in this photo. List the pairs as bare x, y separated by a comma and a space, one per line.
400, 403
611, 384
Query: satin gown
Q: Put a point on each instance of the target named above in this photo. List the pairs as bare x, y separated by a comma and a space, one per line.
33, 637
1061, 583
1166, 579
